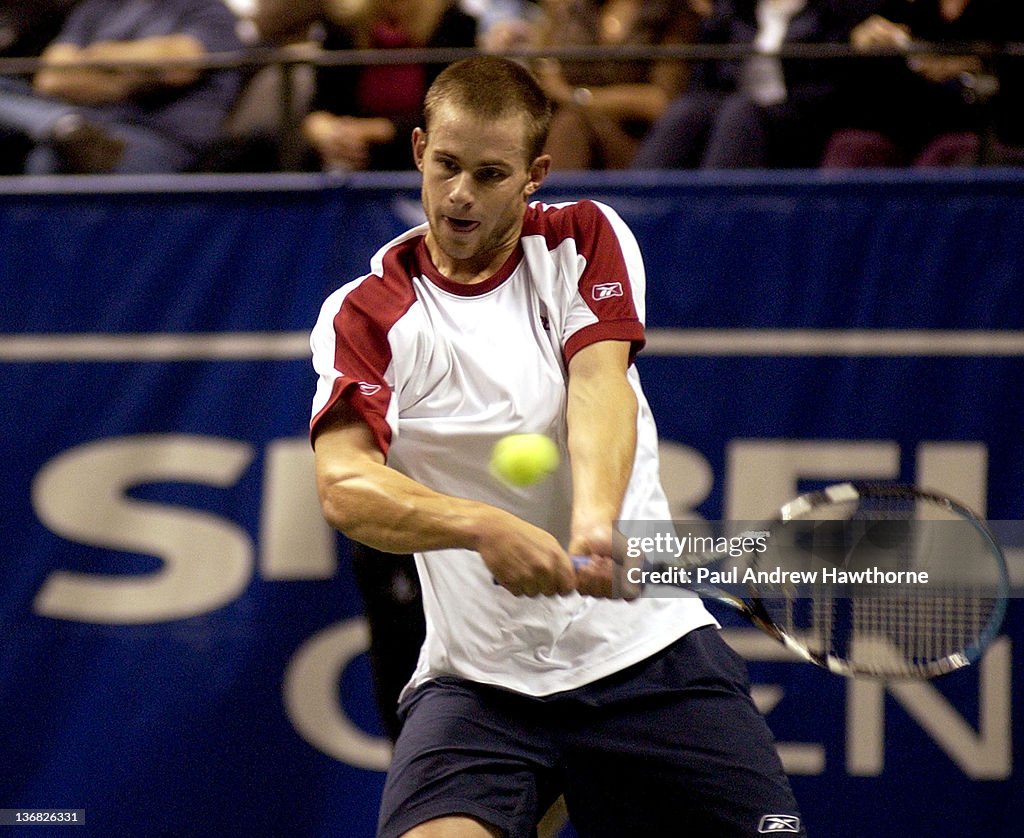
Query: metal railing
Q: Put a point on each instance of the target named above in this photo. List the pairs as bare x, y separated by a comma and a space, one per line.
288, 59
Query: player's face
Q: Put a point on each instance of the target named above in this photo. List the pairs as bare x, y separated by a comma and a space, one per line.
476, 178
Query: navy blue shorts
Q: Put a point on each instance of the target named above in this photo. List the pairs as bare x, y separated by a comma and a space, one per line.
670, 746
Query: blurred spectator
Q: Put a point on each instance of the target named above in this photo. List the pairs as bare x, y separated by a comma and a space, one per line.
130, 120
259, 134
931, 110
281, 22
362, 117
503, 24
27, 26
259, 124
604, 109
760, 112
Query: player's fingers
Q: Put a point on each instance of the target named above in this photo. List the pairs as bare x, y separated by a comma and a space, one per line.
521, 587
626, 583
629, 563
598, 540
555, 579
601, 577
595, 577
606, 566
564, 577
539, 585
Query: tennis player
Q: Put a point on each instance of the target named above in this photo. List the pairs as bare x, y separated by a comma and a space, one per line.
499, 316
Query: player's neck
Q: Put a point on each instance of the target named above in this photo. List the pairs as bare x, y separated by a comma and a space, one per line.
478, 268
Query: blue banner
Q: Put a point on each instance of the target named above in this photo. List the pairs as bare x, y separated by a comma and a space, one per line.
183, 648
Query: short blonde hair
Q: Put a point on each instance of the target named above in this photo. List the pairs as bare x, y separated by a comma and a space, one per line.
492, 88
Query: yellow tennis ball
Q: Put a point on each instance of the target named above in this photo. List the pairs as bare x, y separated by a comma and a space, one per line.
524, 459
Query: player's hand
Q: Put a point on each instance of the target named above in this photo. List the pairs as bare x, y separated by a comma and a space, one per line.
606, 573
524, 559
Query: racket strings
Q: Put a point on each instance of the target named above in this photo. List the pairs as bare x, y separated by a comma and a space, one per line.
895, 633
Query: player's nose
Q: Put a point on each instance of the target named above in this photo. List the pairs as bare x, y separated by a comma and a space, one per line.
460, 191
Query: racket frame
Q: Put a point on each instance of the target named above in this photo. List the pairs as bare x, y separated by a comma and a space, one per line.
757, 613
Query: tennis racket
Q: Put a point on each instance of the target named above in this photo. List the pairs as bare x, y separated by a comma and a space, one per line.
861, 579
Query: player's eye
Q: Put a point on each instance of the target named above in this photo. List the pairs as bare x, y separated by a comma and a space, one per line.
447, 164
490, 175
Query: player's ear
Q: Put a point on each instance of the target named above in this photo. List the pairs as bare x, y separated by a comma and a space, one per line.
539, 169
419, 146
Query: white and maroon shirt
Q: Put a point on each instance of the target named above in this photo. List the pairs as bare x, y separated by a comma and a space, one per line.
441, 371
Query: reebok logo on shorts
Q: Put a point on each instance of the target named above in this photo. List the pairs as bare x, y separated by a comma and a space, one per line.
607, 290
778, 825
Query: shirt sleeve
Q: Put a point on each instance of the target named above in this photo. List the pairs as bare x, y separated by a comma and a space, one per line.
350, 357
351, 344
609, 299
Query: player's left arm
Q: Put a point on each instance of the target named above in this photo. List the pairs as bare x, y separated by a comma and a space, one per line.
602, 413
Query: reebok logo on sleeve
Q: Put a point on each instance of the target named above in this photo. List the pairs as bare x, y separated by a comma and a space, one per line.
607, 290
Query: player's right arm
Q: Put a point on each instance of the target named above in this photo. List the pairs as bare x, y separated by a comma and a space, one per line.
362, 497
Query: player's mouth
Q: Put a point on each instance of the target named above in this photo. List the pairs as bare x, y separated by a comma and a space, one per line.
461, 225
